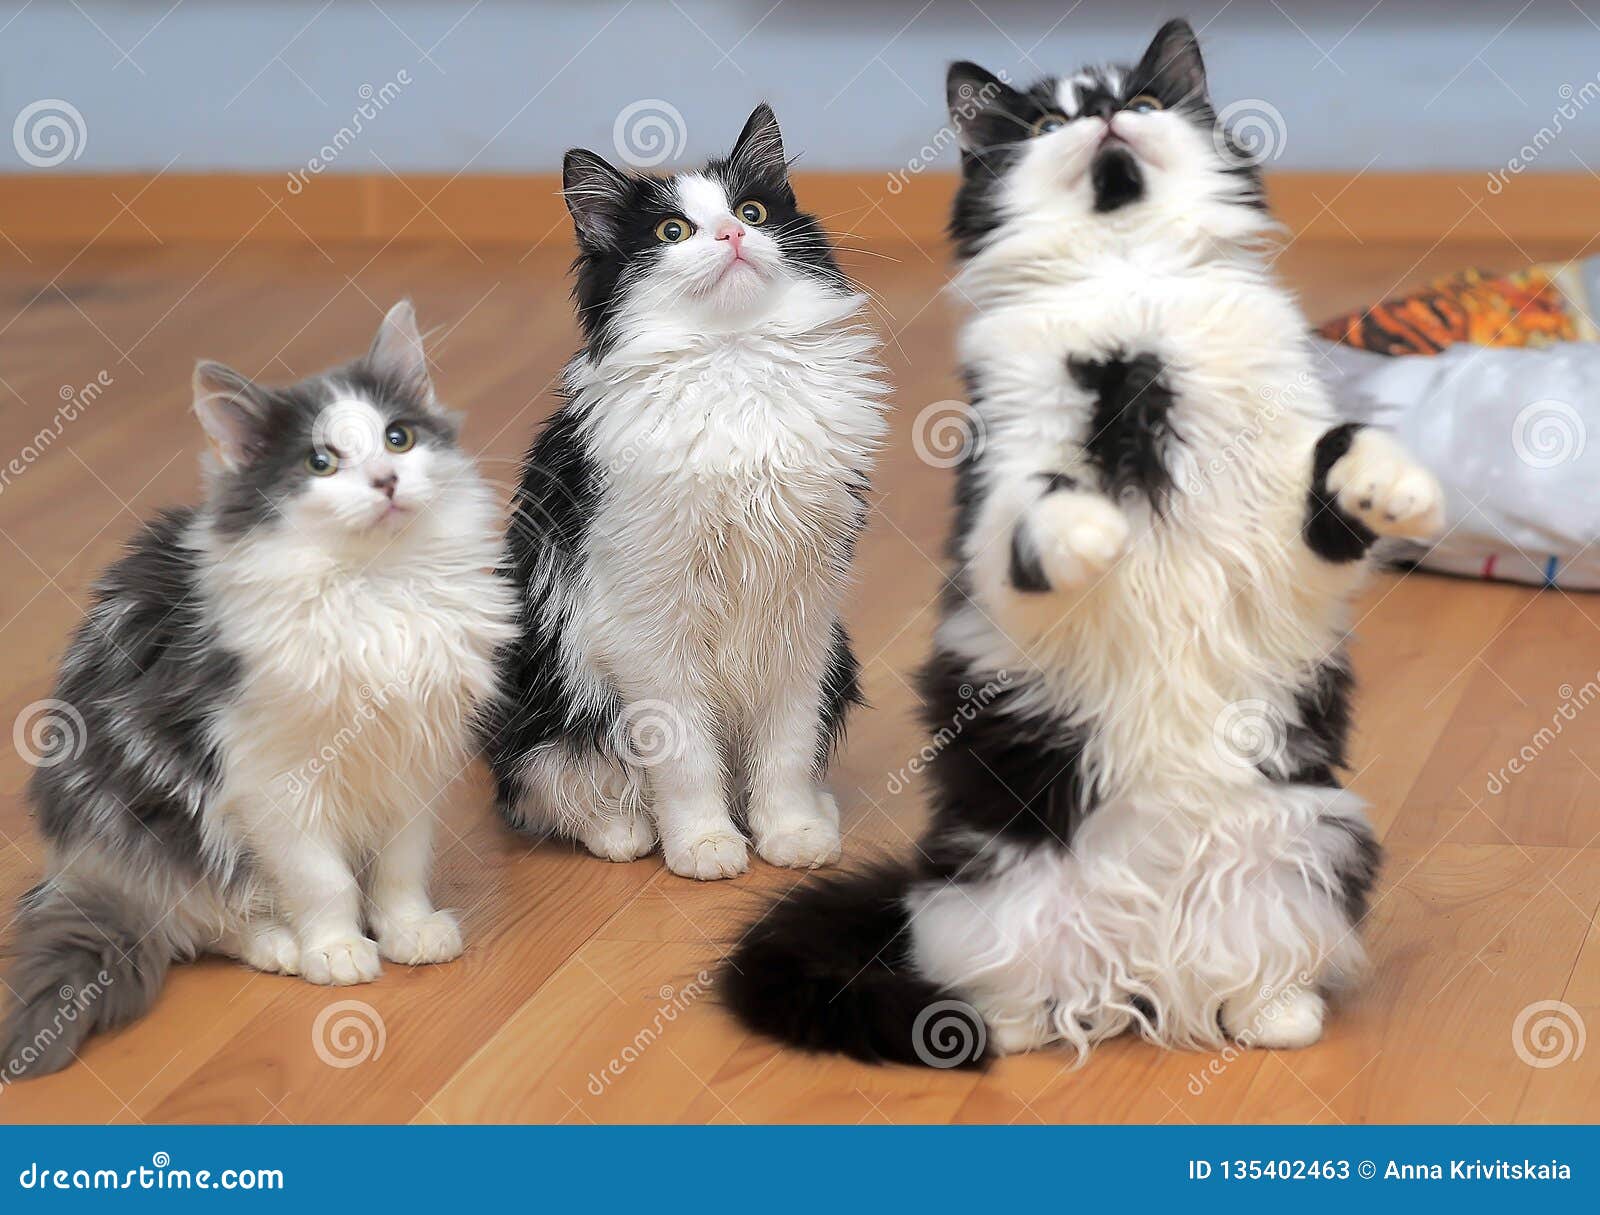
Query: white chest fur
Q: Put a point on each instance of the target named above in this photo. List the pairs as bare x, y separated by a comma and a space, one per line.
732, 467
1217, 603
358, 678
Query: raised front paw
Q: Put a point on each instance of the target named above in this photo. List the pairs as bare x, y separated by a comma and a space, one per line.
340, 962
1066, 539
1378, 483
417, 942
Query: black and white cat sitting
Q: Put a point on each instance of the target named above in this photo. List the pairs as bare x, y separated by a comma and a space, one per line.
1157, 540
683, 531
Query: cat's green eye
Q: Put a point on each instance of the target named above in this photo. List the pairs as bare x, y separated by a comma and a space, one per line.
322, 464
399, 437
673, 231
1049, 123
752, 212
1144, 104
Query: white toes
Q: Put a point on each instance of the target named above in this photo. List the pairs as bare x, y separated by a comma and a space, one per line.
1378, 483
799, 830
340, 963
1078, 536
620, 839
806, 845
434, 938
708, 857
1289, 1022
273, 950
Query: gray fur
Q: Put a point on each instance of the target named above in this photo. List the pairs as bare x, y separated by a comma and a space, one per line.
131, 762
87, 962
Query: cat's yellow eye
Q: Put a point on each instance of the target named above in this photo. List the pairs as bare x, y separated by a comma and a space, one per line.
1049, 123
322, 464
752, 212
673, 230
399, 437
1144, 104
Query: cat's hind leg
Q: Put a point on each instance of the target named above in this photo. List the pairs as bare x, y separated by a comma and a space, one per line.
587, 796
1302, 874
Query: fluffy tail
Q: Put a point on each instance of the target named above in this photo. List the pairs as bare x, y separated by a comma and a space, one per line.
86, 961
827, 969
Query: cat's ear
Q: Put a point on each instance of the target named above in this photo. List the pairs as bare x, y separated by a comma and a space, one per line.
397, 353
984, 110
759, 148
1174, 60
596, 194
232, 410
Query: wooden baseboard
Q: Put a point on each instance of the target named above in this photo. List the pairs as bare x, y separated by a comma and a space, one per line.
131, 208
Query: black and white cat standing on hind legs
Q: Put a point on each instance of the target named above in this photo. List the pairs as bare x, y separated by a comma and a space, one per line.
1158, 541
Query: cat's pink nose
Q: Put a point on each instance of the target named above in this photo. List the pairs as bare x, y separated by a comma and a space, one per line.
733, 232
386, 483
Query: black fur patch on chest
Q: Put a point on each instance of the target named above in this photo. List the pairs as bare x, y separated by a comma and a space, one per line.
1132, 425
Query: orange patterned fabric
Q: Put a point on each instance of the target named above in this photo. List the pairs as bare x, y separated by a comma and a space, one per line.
1527, 308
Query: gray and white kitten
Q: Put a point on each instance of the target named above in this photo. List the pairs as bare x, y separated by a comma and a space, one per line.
266, 697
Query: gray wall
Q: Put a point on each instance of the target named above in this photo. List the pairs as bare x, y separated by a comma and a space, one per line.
503, 86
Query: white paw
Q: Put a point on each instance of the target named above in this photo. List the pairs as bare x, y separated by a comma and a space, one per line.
1020, 1036
625, 838
805, 845
1378, 483
1076, 536
271, 948
434, 938
803, 838
342, 962
1287, 1022
717, 854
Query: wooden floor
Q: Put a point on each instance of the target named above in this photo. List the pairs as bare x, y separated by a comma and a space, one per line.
584, 994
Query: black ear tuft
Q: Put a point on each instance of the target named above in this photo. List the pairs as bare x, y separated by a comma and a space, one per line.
595, 193
982, 109
1174, 59
759, 147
